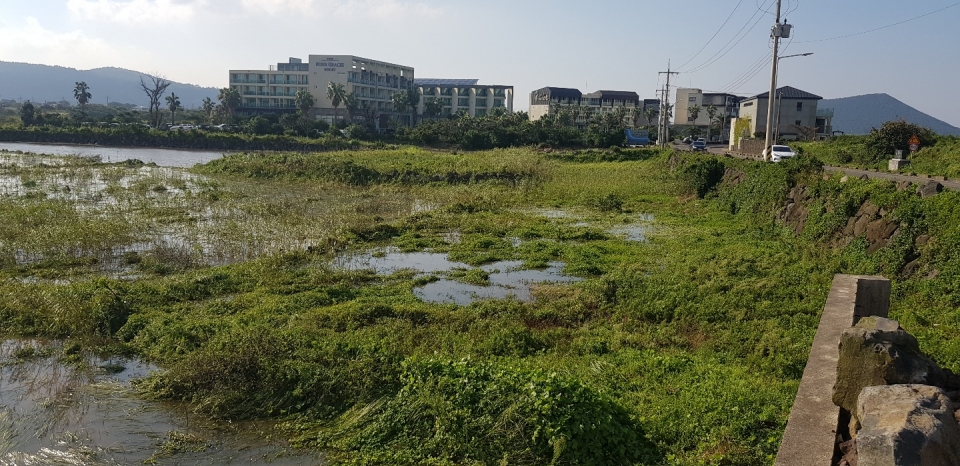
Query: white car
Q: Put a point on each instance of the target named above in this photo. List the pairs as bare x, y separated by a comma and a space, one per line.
779, 153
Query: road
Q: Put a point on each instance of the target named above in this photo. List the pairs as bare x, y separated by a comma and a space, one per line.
895, 177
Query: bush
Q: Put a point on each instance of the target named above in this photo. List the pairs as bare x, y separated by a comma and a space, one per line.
702, 175
895, 135
464, 412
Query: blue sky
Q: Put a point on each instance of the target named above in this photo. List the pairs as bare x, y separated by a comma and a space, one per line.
603, 44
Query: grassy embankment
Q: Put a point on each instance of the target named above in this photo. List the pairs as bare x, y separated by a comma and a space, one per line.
685, 349
942, 158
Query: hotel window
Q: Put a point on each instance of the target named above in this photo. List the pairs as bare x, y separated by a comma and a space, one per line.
463, 102
498, 103
481, 102
482, 92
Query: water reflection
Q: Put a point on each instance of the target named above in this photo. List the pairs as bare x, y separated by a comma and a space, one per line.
505, 279
52, 413
162, 157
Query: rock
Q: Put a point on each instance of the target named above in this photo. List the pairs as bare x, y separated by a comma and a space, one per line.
903, 185
878, 352
848, 452
932, 188
910, 268
921, 240
795, 215
868, 208
907, 425
851, 223
845, 179
860, 227
881, 229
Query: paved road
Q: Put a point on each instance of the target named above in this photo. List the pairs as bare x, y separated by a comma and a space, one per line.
896, 177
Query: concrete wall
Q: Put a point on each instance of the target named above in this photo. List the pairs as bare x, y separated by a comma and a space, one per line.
810, 437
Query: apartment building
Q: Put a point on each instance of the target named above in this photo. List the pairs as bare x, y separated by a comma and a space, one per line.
583, 107
465, 95
274, 90
727, 105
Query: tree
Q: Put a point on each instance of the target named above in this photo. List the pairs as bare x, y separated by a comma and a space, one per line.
720, 121
434, 107
208, 106
620, 112
635, 114
400, 101
352, 104
304, 101
229, 100
895, 135
173, 103
337, 94
694, 112
711, 114
413, 100
158, 85
81, 92
650, 113
27, 114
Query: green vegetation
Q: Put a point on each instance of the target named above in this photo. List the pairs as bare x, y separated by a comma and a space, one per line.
686, 349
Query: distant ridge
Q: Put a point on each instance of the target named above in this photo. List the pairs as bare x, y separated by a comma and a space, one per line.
44, 83
858, 114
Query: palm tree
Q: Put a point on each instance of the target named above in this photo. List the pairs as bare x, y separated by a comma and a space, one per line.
352, 104
711, 114
400, 101
208, 106
413, 100
337, 94
304, 101
635, 114
229, 99
173, 103
620, 112
434, 107
694, 112
650, 113
721, 123
82, 93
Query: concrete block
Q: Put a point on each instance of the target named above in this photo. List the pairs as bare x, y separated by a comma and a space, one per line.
897, 164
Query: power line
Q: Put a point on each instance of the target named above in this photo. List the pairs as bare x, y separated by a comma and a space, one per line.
717, 56
882, 27
714, 35
749, 73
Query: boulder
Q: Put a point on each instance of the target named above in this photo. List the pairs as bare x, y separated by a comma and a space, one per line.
868, 208
932, 188
906, 425
860, 227
878, 352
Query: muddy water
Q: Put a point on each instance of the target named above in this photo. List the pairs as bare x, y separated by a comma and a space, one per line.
57, 414
162, 157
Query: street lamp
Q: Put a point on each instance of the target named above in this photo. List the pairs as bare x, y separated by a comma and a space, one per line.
776, 128
770, 97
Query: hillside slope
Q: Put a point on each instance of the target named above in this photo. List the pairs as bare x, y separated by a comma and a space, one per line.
858, 114
41, 83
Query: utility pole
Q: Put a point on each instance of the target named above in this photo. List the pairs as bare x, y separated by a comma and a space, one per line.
664, 106
775, 33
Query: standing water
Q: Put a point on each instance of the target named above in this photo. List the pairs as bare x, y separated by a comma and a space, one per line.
53, 413
162, 157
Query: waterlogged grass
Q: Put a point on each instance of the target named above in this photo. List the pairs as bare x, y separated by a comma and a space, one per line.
685, 349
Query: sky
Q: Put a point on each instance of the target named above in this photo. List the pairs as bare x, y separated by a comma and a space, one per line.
718, 45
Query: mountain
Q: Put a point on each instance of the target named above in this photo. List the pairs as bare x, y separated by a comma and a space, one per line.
857, 115
44, 83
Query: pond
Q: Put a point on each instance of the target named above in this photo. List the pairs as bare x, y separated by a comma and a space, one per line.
161, 157
54, 413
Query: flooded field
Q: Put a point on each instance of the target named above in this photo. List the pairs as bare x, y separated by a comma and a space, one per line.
161, 157
499, 280
85, 413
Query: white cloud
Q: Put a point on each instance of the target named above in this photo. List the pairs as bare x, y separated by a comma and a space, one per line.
379, 9
135, 11
31, 43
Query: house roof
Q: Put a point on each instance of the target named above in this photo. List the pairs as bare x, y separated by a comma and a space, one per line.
788, 92
445, 82
619, 95
559, 92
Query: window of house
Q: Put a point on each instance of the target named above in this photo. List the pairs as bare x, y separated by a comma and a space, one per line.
798, 123
693, 98
799, 106
748, 104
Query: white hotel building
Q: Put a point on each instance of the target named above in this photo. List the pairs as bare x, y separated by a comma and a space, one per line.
464, 95
374, 83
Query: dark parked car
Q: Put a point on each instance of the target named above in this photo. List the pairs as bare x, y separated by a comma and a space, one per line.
698, 146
